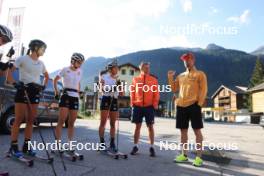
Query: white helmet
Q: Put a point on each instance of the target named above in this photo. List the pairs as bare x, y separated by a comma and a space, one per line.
6, 34
77, 57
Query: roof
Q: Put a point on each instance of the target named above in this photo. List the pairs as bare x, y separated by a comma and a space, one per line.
123, 65
257, 88
234, 89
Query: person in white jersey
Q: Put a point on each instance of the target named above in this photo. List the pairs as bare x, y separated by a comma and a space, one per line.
30, 70
109, 103
69, 100
6, 36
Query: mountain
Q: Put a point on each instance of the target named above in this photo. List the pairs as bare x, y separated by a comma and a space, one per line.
213, 46
222, 66
259, 51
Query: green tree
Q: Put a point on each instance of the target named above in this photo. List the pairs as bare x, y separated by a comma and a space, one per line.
258, 74
256, 79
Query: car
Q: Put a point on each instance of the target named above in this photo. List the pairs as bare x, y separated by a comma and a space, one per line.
125, 112
47, 109
262, 121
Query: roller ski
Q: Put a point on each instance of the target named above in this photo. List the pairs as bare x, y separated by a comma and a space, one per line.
18, 156
73, 153
113, 152
30, 153
4, 174
77, 155
40, 158
65, 154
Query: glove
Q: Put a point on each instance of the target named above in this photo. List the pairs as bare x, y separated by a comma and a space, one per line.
11, 52
56, 97
19, 85
42, 87
81, 95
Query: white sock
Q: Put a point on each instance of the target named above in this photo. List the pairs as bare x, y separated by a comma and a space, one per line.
136, 145
151, 145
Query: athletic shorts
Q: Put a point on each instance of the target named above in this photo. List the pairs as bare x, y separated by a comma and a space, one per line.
191, 113
138, 113
32, 92
66, 101
109, 103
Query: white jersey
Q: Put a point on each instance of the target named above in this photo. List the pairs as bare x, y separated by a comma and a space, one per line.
29, 69
109, 81
71, 79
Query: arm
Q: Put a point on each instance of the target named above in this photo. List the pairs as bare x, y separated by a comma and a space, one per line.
46, 79
79, 87
174, 84
9, 76
46, 75
132, 92
55, 81
156, 95
203, 89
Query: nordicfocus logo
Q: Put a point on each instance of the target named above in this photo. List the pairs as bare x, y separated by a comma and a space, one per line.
72, 145
124, 87
165, 145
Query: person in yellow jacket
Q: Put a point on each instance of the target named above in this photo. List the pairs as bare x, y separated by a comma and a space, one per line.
192, 88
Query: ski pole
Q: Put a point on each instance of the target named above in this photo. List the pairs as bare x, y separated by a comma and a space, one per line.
40, 133
53, 132
117, 133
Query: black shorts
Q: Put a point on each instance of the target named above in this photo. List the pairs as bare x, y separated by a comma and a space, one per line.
185, 114
109, 103
139, 112
32, 92
66, 101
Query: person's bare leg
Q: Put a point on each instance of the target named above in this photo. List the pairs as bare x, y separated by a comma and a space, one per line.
20, 109
63, 114
31, 116
137, 133
151, 134
113, 117
199, 141
103, 120
71, 121
184, 141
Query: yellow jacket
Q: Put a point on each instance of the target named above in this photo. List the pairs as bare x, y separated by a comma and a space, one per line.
192, 87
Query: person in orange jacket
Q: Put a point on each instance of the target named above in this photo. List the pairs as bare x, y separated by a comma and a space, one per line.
192, 87
144, 100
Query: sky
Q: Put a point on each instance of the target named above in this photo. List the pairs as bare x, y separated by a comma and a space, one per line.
112, 28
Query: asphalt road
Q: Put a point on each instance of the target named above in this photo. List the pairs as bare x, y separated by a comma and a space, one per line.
248, 159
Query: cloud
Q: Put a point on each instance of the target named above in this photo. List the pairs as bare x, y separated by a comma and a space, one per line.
94, 27
242, 19
186, 5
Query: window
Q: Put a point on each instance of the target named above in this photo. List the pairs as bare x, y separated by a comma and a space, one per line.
132, 72
123, 71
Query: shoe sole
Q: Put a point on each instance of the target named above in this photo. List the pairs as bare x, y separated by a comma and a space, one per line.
134, 153
180, 161
197, 165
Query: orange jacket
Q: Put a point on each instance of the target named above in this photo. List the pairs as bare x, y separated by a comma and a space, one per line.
149, 97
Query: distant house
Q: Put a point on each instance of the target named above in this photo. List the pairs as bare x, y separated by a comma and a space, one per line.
126, 73
257, 98
228, 101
